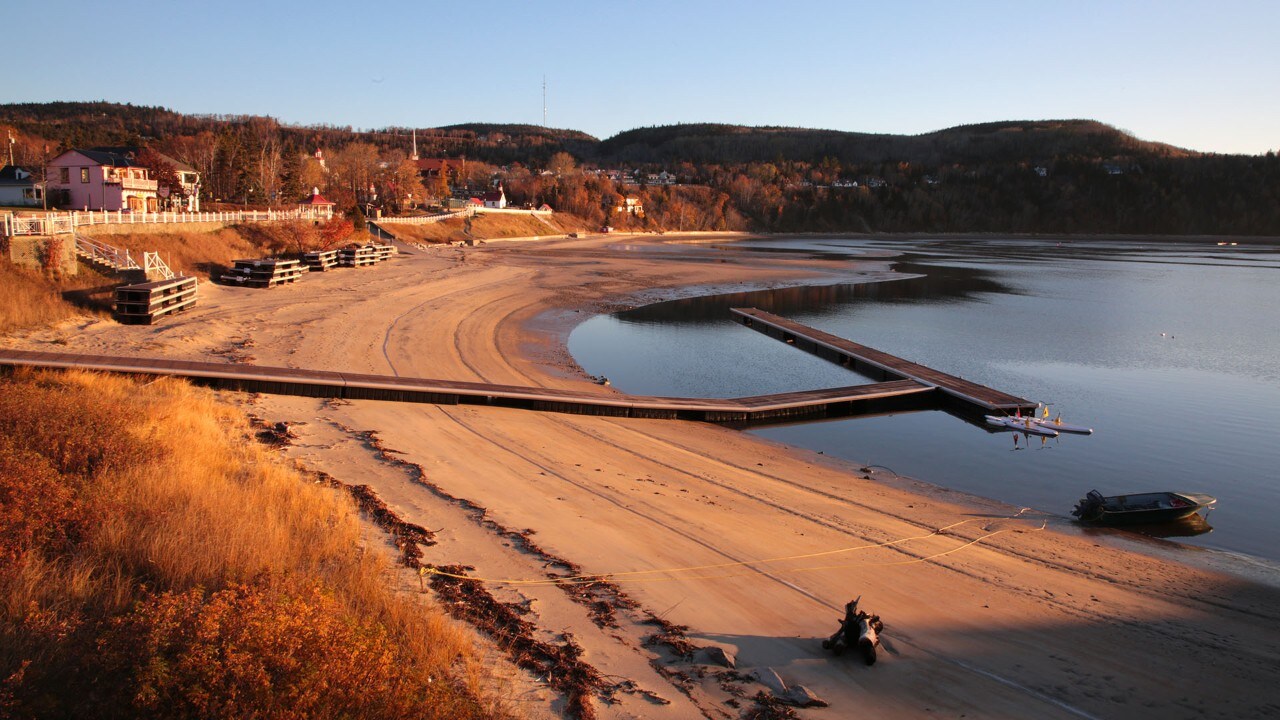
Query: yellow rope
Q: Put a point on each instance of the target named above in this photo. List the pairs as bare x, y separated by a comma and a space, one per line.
631, 576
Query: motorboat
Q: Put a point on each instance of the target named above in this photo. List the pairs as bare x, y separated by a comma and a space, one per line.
1140, 508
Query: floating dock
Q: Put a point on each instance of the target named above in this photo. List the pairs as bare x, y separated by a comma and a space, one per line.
875, 398
881, 365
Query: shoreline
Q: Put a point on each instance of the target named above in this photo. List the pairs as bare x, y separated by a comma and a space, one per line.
1255, 568
987, 612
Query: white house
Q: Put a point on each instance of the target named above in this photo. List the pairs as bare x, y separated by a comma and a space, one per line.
18, 188
496, 199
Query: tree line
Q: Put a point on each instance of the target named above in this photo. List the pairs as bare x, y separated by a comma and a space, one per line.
1068, 176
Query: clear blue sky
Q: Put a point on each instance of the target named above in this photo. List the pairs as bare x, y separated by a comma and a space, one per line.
1199, 75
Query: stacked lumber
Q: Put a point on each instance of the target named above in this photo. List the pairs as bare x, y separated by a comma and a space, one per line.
383, 251
264, 273
358, 256
144, 302
321, 260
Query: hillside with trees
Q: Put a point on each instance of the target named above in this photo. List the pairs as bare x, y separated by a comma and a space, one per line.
1057, 176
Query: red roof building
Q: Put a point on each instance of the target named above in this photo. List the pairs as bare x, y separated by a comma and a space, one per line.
316, 206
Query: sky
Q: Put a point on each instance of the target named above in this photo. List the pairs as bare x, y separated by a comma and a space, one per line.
1198, 75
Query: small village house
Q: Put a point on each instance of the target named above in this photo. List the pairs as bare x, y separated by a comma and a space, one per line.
496, 199
430, 168
631, 205
19, 188
112, 179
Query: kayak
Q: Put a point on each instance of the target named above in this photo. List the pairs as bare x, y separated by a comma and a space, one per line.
1060, 426
1026, 425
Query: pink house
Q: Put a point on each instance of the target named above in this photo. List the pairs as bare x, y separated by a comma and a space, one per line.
100, 180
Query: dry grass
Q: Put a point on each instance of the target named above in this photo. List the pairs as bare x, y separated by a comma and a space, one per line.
29, 298
191, 252
484, 226
129, 511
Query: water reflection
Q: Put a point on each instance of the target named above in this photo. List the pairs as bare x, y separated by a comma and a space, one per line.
1189, 526
922, 283
1082, 326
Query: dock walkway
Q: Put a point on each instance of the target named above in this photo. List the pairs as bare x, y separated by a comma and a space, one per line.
879, 364
833, 402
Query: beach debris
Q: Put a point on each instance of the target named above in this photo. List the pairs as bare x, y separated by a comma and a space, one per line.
716, 655
279, 434
769, 678
801, 696
857, 629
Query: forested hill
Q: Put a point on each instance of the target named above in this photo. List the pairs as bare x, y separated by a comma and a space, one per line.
1059, 176
1030, 141
78, 124
85, 124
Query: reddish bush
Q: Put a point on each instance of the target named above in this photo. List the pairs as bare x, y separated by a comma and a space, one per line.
335, 232
263, 651
37, 507
77, 433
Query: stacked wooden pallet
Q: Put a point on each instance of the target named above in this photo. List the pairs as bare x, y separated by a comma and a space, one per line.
383, 251
321, 260
358, 256
144, 302
264, 273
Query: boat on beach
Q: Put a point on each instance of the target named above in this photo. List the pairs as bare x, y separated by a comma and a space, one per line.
1140, 508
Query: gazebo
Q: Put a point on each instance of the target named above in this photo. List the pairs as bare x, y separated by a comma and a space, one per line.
316, 207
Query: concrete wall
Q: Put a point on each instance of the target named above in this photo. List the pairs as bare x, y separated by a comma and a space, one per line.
148, 229
27, 251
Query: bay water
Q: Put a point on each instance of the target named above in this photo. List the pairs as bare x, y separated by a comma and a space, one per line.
1170, 351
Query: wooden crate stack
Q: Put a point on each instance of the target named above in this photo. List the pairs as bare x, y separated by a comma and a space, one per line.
358, 256
264, 273
321, 260
144, 302
383, 251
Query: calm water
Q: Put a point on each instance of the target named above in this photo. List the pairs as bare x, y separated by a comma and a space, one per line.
1171, 353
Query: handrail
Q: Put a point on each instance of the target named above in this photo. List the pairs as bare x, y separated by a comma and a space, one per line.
153, 263
61, 223
103, 252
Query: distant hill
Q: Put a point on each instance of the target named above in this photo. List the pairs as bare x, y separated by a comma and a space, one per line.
988, 142
1044, 176
80, 124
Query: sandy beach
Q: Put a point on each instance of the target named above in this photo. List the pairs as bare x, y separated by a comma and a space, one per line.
990, 611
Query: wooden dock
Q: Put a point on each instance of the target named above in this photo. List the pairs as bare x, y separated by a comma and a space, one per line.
144, 302
881, 365
875, 398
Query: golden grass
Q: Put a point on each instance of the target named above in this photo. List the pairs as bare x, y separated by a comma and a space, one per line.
28, 298
484, 226
190, 252
171, 496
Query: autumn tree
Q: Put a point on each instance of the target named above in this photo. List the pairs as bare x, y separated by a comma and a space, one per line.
562, 163
163, 172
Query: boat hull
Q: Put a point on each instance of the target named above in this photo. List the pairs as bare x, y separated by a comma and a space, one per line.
1140, 508
1021, 425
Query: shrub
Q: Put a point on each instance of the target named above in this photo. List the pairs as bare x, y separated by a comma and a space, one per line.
265, 649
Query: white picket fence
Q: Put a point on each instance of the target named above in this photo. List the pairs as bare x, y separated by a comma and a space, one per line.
425, 219
465, 212
60, 223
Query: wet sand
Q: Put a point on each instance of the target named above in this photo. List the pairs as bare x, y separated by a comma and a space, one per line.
753, 546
